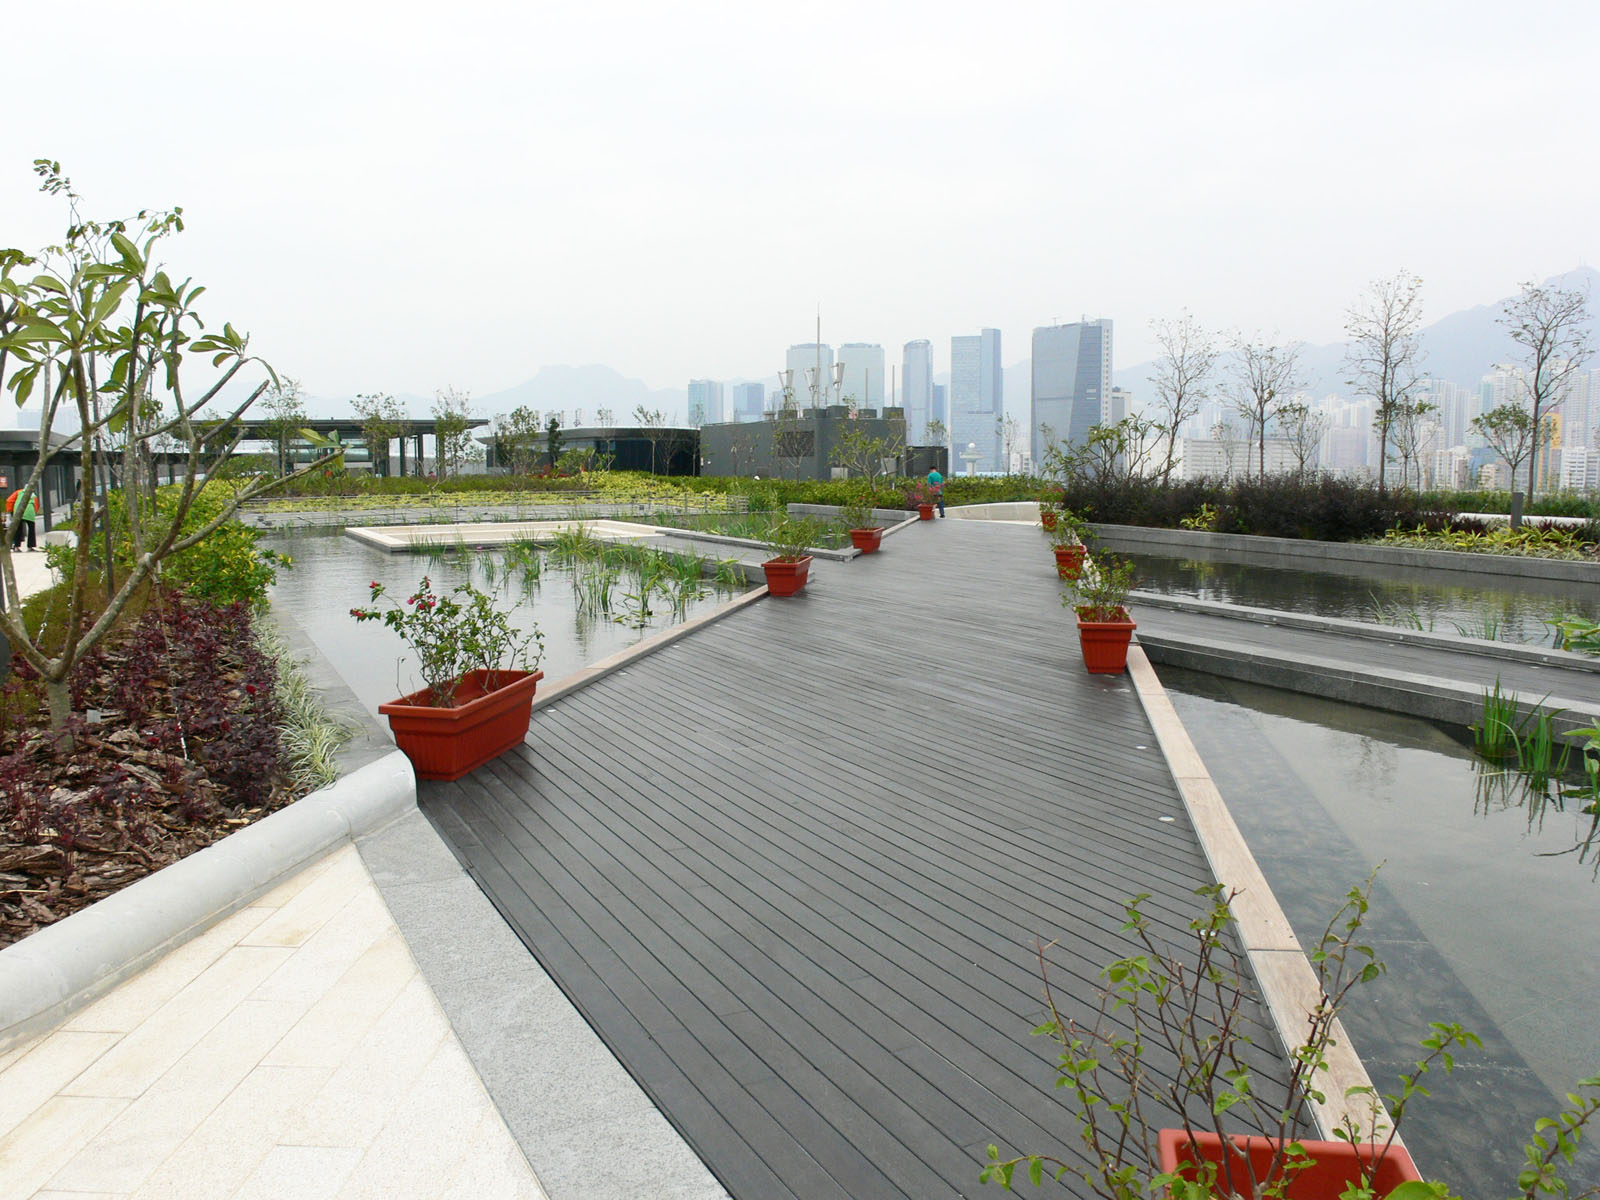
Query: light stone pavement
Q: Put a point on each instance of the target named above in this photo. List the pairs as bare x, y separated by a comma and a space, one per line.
32, 575
291, 1051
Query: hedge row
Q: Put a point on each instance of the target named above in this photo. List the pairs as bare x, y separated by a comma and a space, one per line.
1329, 510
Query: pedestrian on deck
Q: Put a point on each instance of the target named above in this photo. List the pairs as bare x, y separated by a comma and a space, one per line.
30, 512
936, 485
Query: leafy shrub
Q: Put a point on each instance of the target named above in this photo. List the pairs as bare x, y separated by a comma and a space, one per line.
227, 567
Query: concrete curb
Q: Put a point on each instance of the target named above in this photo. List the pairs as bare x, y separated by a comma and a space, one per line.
1538, 656
1371, 687
63, 966
1288, 984
1311, 555
595, 672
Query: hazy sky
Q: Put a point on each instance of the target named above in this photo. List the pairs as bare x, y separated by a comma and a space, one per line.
403, 197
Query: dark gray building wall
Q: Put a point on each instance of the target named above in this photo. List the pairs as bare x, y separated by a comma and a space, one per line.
750, 449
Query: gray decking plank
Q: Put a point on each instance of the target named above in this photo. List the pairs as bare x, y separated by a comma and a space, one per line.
804, 920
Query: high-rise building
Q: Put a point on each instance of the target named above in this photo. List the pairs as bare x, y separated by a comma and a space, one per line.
864, 375
1071, 381
916, 389
811, 365
976, 400
748, 401
705, 402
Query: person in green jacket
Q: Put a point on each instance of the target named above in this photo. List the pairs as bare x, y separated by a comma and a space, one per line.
30, 513
936, 485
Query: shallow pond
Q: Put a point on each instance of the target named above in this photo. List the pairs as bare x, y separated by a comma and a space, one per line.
1484, 911
331, 575
1510, 609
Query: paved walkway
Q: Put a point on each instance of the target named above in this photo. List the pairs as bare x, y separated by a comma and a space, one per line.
32, 575
293, 1050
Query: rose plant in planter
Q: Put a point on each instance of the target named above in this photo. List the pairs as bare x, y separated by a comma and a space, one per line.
1171, 1040
480, 674
1099, 596
921, 498
789, 547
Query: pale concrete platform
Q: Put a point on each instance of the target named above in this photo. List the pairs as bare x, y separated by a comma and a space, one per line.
294, 1049
400, 539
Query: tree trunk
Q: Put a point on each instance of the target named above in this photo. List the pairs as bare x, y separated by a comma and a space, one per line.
59, 693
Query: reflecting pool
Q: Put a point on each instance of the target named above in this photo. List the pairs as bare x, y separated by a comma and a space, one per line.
1484, 910
584, 614
1506, 608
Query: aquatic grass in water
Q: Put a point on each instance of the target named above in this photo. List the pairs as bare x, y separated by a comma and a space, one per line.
729, 576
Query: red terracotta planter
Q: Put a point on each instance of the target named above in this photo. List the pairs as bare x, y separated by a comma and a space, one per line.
925, 511
1069, 561
786, 578
446, 743
1105, 643
1336, 1164
867, 540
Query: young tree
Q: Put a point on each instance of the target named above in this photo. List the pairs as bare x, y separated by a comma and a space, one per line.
1408, 432
1510, 432
121, 345
383, 418
863, 456
552, 440
516, 439
1551, 324
452, 430
654, 423
1108, 454
285, 413
1182, 380
1304, 430
1007, 431
1265, 378
1226, 434
1384, 327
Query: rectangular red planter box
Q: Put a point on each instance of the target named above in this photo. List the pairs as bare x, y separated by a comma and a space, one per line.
786, 578
1336, 1163
867, 540
1105, 644
446, 743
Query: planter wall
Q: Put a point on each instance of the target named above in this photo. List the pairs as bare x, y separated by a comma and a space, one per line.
447, 743
786, 578
1105, 644
1336, 1163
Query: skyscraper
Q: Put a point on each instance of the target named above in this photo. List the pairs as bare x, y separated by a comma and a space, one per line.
916, 389
976, 404
705, 402
812, 380
748, 401
864, 375
1071, 382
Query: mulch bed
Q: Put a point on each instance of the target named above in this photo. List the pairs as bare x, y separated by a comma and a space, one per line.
173, 745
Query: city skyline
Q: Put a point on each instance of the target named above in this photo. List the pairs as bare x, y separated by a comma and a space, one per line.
453, 199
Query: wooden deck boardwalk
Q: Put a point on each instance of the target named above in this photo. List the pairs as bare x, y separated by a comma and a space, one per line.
793, 868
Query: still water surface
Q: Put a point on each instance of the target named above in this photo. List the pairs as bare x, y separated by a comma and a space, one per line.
331, 576
1484, 914
1513, 609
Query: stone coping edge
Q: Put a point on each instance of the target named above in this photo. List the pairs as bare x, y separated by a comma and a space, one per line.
1538, 656
595, 672
1276, 550
1287, 981
1382, 688
403, 539
62, 967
